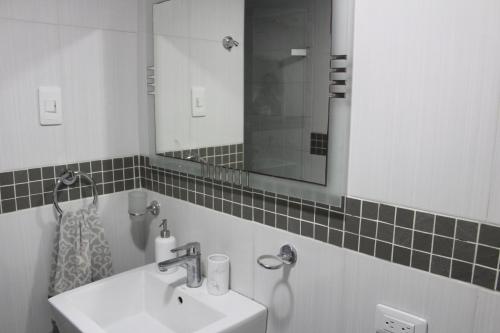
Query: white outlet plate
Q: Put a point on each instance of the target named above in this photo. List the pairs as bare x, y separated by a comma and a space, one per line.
390, 320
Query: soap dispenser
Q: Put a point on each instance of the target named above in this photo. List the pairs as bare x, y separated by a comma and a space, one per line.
164, 244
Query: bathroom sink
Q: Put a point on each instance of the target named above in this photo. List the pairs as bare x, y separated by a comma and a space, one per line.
145, 300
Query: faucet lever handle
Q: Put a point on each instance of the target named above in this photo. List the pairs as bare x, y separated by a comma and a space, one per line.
191, 248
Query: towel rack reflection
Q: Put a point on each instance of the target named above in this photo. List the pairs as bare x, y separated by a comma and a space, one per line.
68, 178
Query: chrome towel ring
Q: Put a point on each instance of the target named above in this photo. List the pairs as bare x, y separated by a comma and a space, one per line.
68, 178
287, 256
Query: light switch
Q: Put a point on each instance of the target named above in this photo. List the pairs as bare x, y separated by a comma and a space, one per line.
50, 106
198, 107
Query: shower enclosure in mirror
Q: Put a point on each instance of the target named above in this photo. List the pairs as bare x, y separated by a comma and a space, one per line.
246, 87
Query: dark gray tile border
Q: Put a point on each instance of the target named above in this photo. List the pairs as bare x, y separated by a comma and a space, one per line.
464, 250
405, 217
29, 188
370, 210
434, 243
424, 222
440, 266
386, 213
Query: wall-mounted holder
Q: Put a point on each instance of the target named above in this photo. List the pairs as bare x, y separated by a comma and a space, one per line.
150, 80
218, 172
137, 204
153, 208
287, 256
338, 67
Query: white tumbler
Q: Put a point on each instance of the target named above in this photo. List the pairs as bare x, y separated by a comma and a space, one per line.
218, 274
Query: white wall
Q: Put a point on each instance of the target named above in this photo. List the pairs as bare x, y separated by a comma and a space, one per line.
330, 289
188, 52
89, 48
426, 104
26, 243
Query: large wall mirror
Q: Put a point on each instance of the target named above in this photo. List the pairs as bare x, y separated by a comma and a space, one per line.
248, 87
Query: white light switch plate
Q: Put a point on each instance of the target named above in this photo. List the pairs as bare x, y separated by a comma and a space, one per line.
50, 106
198, 101
390, 320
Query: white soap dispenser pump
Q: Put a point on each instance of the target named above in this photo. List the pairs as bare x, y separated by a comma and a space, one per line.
164, 244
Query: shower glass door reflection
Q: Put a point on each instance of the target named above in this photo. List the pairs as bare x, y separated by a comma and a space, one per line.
287, 52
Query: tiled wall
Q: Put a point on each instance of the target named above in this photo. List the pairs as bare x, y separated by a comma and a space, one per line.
422, 144
28, 188
463, 250
90, 51
319, 144
231, 156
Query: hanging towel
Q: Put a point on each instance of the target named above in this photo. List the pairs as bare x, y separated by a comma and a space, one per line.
81, 253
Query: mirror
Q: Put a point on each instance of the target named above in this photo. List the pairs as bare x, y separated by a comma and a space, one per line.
246, 87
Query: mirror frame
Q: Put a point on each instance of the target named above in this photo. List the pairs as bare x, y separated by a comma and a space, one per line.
339, 114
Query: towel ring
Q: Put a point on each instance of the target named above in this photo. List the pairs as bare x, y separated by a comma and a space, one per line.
68, 178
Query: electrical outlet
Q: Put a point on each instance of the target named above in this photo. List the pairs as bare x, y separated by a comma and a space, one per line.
390, 320
393, 325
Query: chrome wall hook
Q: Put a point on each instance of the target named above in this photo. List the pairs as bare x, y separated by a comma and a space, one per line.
228, 42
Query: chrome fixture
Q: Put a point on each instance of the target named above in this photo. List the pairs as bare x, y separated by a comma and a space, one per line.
68, 178
287, 256
228, 42
218, 172
337, 69
150, 80
203, 162
153, 208
191, 261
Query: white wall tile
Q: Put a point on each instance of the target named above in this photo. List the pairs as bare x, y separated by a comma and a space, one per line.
26, 240
329, 289
99, 93
447, 305
173, 91
119, 15
425, 104
101, 14
182, 63
30, 10
306, 297
226, 18
172, 18
221, 73
29, 58
494, 199
217, 233
97, 71
488, 308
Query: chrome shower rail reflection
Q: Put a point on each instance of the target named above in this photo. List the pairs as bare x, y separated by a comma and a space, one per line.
218, 172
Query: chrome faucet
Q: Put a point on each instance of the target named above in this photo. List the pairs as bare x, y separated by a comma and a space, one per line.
191, 260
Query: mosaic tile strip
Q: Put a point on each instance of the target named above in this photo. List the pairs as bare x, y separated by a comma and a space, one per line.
231, 156
463, 250
319, 144
29, 188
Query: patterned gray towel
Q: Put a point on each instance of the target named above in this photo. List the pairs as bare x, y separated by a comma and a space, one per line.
81, 253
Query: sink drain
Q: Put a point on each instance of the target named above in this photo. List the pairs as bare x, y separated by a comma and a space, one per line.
180, 300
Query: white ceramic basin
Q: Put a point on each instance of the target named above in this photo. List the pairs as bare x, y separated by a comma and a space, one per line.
145, 300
